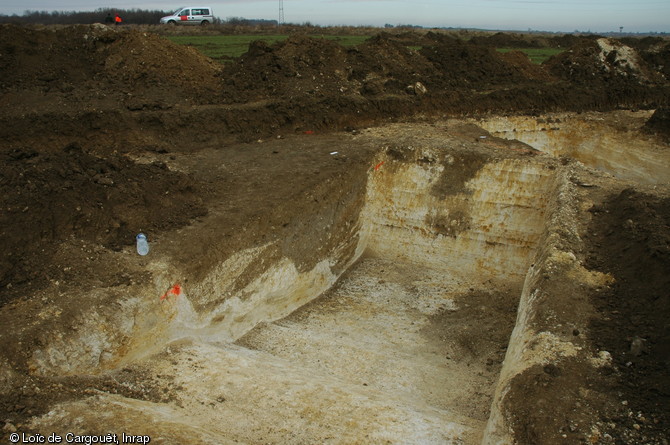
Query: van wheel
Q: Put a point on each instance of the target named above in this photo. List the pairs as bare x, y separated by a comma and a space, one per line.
172, 23
204, 23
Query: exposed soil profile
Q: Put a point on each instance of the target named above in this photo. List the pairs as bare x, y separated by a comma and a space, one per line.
632, 243
51, 197
627, 238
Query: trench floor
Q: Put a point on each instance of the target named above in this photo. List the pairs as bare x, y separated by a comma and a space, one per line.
393, 353
386, 355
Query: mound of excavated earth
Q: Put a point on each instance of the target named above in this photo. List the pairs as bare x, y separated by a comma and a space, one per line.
415, 240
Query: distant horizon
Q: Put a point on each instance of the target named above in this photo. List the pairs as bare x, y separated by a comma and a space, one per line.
566, 16
382, 27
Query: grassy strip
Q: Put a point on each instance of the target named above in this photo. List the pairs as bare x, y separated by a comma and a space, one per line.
536, 55
226, 47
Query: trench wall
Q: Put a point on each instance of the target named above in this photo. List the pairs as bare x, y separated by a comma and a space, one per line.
266, 279
552, 307
484, 225
614, 147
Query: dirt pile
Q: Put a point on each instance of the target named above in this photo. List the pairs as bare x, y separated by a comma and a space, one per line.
594, 74
297, 67
464, 65
383, 65
48, 198
56, 69
633, 244
645, 43
515, 40
526, 67
509, 40
659, 123
97, 63
603, 61
657, 57
146, 65
34, 59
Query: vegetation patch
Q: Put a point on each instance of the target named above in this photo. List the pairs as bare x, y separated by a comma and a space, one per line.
536, 55
226, 47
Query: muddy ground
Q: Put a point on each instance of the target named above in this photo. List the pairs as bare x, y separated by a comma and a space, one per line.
97, 124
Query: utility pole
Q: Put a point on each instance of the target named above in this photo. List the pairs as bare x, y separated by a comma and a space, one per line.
620, 29
281, 13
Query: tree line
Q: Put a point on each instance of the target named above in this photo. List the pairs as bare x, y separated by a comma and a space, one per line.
129, 16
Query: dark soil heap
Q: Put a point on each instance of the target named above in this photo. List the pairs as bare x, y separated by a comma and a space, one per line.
603, 61
633, 244
526, 67
100, 64
464, 65
110, 69
297, 67
657, 57
383, 65
659, 123
306, 67
514, 40
47, 198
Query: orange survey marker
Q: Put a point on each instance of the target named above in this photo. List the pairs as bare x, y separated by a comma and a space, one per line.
174, 290
378, 166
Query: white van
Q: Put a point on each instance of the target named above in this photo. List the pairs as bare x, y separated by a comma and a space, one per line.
190, 15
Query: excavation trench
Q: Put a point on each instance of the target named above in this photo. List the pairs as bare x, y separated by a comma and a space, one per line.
398, 331
409, 323
499, 280
417, 328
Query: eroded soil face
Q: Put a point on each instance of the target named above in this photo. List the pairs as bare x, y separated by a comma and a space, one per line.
631, 242
106, 133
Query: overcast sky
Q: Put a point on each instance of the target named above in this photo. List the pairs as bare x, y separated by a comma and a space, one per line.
547, 15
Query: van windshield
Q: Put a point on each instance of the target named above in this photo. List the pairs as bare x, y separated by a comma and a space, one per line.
177, 11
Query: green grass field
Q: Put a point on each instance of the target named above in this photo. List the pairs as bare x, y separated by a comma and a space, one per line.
536, 55
225, 47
